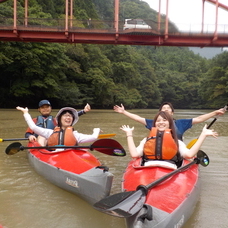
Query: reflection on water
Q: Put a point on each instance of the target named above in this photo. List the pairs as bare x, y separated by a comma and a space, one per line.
29, 201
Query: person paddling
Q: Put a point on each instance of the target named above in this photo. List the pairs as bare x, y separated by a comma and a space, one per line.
46, 120
181, 125
162, 143
63, 134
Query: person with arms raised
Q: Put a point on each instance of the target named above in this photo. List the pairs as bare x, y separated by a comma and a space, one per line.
162, 143
181, 125
46, 120
63, 133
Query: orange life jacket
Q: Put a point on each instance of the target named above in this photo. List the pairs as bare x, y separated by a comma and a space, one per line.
160, 145
62, 137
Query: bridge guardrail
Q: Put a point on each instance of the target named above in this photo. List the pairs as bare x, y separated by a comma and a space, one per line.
94, 25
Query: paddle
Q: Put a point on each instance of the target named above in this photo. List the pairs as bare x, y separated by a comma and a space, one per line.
17, 139
190, 144
126, 204
105, 146
102, 136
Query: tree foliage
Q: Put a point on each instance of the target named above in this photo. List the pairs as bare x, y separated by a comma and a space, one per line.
105, 75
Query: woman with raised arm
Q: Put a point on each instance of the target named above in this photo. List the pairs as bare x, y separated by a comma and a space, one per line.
181, 125
46, 120
63, 133
162, 144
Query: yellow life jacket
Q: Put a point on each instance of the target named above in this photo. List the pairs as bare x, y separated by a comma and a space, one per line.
160, 145
62, 137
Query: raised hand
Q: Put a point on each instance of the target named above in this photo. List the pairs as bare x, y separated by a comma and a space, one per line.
220, 111
127, 129
87, 108
209, 132
24, 110
119, 109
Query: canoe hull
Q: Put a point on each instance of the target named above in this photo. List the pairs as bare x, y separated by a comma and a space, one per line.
84, 178
171, 203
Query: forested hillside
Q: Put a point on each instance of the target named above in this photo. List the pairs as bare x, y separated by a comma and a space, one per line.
105, 75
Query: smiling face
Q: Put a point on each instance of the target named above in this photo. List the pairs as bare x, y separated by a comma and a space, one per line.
162, 123
66, 119
167, 108
45, 110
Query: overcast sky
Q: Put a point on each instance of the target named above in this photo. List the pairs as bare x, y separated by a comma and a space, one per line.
189, 12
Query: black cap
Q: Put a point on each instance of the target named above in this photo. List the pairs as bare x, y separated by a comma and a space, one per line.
44, 102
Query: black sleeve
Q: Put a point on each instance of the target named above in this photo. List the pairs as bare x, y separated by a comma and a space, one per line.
27, 134
82, 112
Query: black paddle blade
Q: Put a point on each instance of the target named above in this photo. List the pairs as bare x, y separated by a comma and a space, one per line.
124, 204
203, 158
13, 148
108, 146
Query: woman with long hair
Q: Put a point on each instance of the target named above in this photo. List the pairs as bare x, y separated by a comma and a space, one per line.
162, 143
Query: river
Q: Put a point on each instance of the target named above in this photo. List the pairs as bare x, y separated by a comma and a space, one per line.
29, 201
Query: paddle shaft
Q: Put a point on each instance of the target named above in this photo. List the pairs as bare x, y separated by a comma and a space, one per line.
17, 139
105, 146
225, 107
154, 183
191, 143
102, 136
64, 147
212, 122
201, 159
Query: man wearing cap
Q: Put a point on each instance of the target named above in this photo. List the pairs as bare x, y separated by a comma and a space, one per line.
46, 120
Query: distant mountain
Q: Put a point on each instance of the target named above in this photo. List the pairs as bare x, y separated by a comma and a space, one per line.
207, 52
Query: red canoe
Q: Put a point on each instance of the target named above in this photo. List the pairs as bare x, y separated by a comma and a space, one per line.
170, 203
75, 170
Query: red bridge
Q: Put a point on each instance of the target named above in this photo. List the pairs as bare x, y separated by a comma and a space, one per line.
70, 30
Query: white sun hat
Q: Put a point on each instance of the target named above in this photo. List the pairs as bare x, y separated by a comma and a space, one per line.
74, 111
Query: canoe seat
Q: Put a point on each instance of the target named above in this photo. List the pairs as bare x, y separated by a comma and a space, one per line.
137, 164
